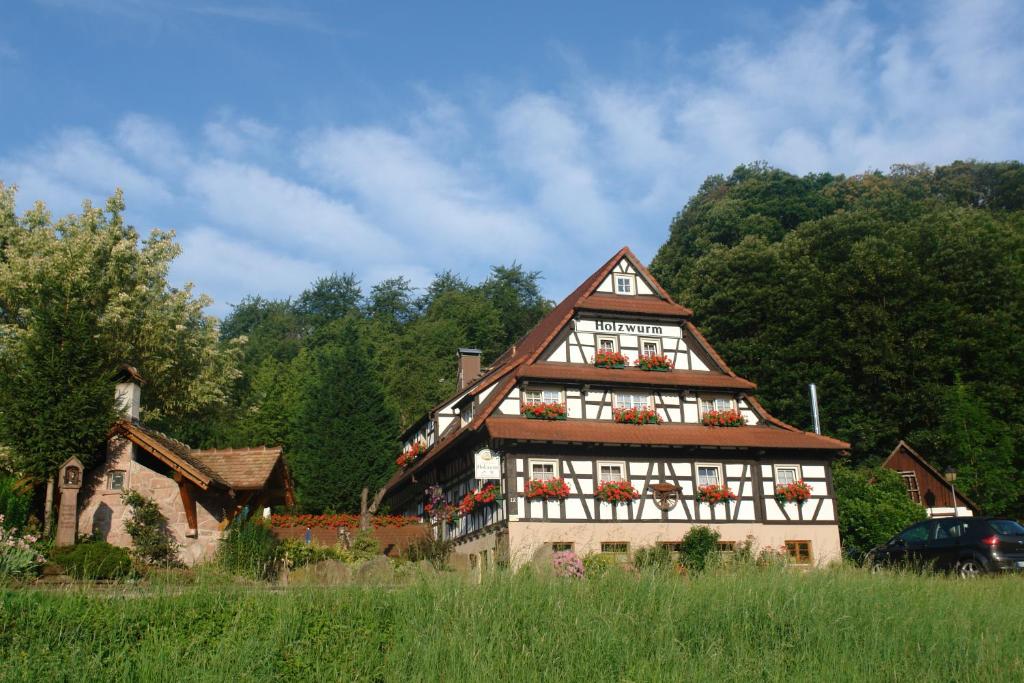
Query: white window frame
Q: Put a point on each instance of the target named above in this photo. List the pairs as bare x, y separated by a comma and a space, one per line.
628, 277
616, 403
716, 466
796, 473
609, 337
649, 340
110, 479
715, 399
541, 461
612, 463
560, 398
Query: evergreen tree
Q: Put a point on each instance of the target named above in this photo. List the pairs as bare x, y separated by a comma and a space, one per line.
345, 432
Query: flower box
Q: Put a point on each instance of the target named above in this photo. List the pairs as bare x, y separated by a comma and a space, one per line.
610, 359
544, 411
797, 492
636, 416
555, 489
723, 418
479, 497
713, 494
616, 492
653, 362
411, 454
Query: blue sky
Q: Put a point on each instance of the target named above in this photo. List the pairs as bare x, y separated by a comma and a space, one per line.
285, 141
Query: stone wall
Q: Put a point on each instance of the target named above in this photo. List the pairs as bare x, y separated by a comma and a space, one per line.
101, 510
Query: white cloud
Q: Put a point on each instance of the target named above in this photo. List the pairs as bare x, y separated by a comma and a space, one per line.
234, 137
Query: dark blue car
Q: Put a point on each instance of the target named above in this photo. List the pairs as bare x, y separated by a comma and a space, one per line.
969, 546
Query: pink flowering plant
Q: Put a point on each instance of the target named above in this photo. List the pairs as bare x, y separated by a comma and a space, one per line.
18, 554
568, 565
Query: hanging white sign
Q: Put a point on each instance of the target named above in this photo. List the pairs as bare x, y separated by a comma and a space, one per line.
487, 465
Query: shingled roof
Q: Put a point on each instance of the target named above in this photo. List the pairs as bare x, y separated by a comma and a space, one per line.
239, 469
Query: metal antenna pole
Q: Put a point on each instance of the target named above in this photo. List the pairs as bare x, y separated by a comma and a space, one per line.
814, 409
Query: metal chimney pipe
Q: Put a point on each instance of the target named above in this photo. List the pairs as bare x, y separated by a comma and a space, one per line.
814, 409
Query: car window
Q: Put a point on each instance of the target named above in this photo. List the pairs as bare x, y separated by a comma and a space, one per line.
950, 527
942, 532
1006, 527
915, 534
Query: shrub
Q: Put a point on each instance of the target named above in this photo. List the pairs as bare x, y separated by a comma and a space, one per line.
15, 502
652, 557
597, 565
297, 553
152, 542
96, 560
567, 564
249, 548
18, 555
699, 548
436, 551
873, 506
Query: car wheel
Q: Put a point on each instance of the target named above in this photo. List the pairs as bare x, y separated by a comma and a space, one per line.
969, 569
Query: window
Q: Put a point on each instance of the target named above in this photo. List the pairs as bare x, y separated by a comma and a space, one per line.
632, 400
799, 551
786, 474
720, 403
673, 546
709, 474
535, 396
115, 480
543, 469
650, 347
910, 481
618, 547
607, 344
561, 546
915, 534
726, 546
625, 284
611, 471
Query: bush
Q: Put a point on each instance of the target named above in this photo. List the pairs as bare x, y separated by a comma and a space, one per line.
94, 560
436, 551
700, 548
652, 557
18, 555
873, 507
567, 564
365, 546
249, 548
297, 553
597, 565
152, 542
15, 502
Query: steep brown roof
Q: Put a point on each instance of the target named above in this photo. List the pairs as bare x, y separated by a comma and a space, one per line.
594, 375
240, 468
173, 453
906, 448
599, 431
633, 304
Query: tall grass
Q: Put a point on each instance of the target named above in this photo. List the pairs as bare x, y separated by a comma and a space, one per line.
840, 625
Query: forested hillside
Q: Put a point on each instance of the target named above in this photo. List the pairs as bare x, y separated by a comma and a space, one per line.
901, 295
335, 373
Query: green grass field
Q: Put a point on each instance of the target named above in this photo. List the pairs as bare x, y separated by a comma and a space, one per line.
834, 625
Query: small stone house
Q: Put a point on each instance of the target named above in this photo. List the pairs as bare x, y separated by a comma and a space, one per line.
199, 491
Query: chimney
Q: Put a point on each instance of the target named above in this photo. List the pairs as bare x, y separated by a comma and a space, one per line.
128, 392
469, 367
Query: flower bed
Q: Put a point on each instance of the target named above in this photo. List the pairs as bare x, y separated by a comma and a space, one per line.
610, 359
616, 492
479, 497
18, 555
636, 416
547, 488
713, 494
797, 492
411, 454
723, 418
335, 521
544, 411
654, 362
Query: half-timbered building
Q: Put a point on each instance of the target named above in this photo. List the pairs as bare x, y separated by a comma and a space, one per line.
613, 424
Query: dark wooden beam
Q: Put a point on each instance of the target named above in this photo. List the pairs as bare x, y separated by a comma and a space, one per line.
189, 502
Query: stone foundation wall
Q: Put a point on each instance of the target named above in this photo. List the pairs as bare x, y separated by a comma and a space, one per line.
101, 510
526, 538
